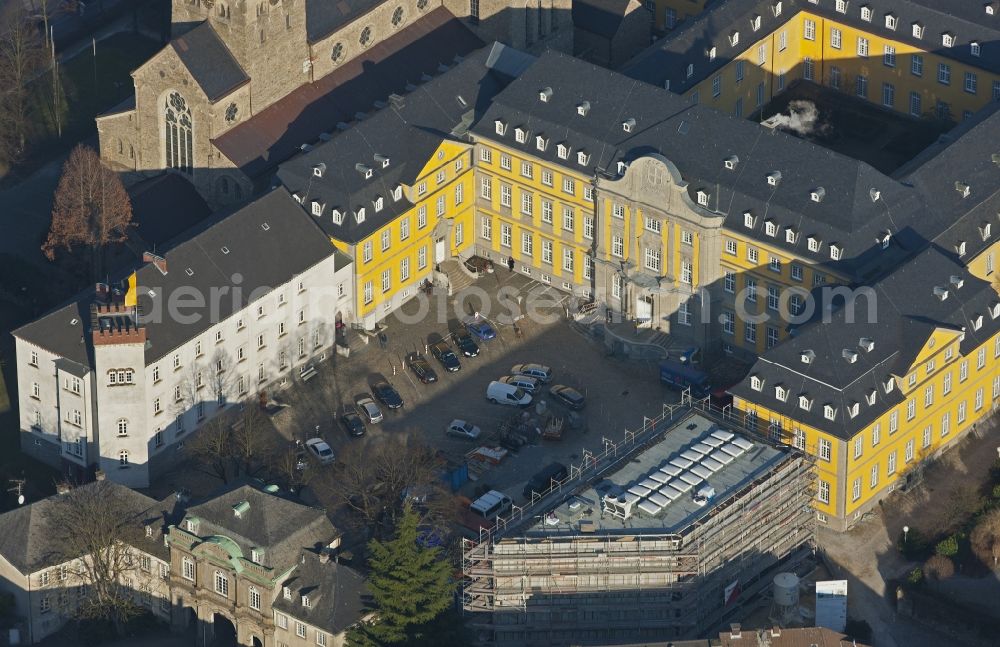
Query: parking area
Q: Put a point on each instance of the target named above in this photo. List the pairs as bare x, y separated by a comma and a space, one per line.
529, 319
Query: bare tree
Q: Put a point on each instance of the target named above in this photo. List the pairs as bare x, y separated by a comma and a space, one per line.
96, 529
938, 567
253, 448
91, 208
21, 54
210, 448
985, 538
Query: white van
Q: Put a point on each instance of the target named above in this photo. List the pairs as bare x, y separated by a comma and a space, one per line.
491, 504
500, 393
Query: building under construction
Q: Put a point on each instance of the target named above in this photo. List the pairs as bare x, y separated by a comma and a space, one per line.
668, 540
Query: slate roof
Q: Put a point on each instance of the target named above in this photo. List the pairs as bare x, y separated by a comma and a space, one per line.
27, 543
668, 58
906, 313
601, 17
163, 207
337, 594
281, 527
276, 133
699, 140
407, 132
291, 244
323, 17
209, 61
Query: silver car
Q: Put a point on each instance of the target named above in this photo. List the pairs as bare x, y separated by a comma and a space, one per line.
369, 409
529, 384
542, 373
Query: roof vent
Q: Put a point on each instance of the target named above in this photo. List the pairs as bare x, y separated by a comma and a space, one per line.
241, 508
734, 631
343, 125
995, 158
850, 355
545, 94
875, 194
189, 272
774, 178
940, 292
325, 137
379, 104
628, 125
583, 108
364, 170
319, 169
867, 344
817, 194
956, 281
963, 189
807, 356
731, 162
383, 160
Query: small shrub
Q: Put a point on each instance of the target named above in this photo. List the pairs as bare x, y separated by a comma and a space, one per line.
938, 567
947, 547
996, 492
915, 577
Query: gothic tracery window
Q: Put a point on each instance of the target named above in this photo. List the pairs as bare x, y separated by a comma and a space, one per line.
177, 134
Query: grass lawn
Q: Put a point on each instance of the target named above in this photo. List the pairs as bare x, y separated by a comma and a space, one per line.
87, 88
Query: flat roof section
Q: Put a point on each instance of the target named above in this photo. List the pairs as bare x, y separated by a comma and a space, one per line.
661, 482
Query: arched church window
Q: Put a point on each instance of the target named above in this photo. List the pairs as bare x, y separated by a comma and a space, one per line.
366, 37
177, 133
421, 4
397, 17
337, 53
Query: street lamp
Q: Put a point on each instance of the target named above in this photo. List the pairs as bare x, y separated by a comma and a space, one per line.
906, 532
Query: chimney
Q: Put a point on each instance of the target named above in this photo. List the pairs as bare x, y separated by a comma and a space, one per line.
63, 487
734, 630
102, 292
324, 557
158, 261
99, 475
775, 631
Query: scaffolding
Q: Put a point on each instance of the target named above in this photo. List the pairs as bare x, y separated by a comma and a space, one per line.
633, 584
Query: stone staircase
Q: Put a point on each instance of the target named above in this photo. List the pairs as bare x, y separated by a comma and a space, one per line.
459, 277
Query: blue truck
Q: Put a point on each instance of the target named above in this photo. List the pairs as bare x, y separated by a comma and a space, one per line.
679, 376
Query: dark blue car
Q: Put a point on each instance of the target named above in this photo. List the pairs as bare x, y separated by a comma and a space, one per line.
481, 329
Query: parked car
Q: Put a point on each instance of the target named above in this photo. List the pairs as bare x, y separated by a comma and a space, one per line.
444, 354
568, 396
543, 373
500, 393
369, 409
491, 504
466, 344
320, 450
387, 395
418, 364
542, 480
463, 429
350, 420
529, 384
481, 328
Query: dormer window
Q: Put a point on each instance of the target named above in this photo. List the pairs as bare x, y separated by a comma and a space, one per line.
889, 385
854, 409
382, 160
963, 189
947, 39
545, 94
805, 403
867, 344
298, 197
985, 230
286, 593
582, 158
690, 70
850, 355
791, 236
841, 6
977, 322
770, 228
628, 125
995, 310
807, 356
338, 217
319, 169
870, 397
583, 108
956, 281
829, 412
397, 193
974, 48
940, 292
317, 208
776, 9
835, 252
364, 170
541, 143
813, 244
866, 13
563, 151
734, 39
711, 53
883, 239
622, 167
890, 21
748, 219
756, 383
960, 248
500, 127
521, 135
774, 178
702, 198
359, 215
379, 203
990, 8
731, 162
817, 194
755, 23
918, 30
781, 393
306, 602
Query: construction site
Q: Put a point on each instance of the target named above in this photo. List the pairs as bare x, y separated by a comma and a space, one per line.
669, 534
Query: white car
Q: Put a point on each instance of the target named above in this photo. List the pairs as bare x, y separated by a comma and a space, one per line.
369, 409
463, 429
320, 450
